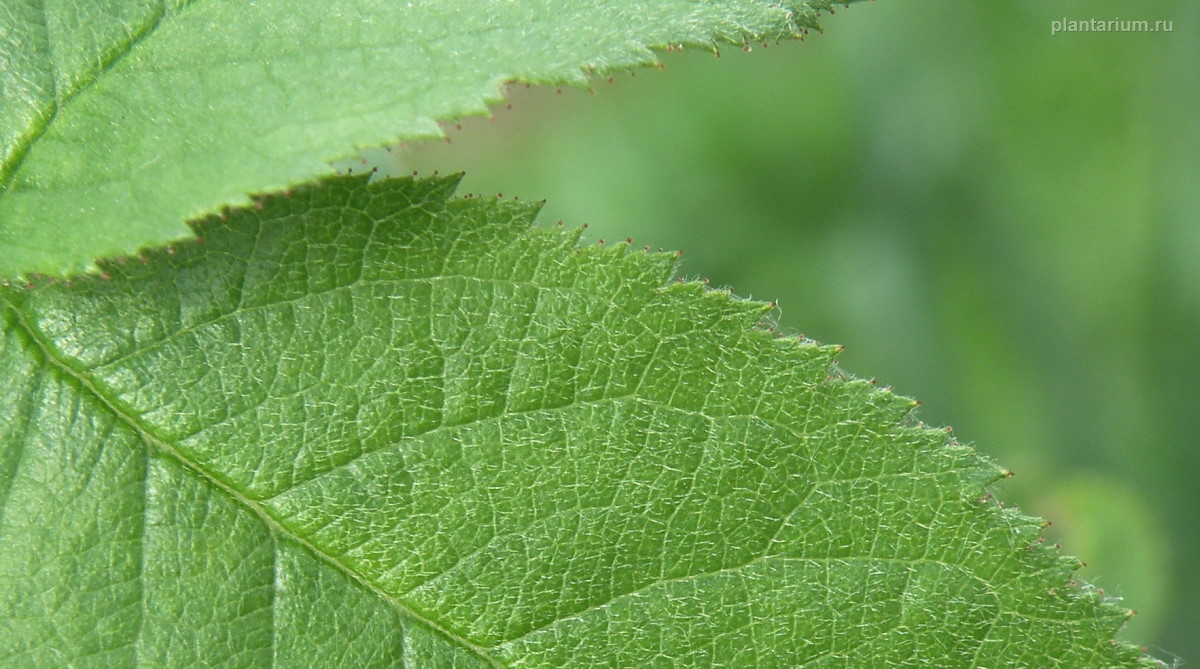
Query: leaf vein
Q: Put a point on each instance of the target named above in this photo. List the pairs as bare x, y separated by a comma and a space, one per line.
119, 412
50, 112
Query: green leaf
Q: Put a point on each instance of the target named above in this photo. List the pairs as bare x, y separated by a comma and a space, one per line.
121, 119
377, 425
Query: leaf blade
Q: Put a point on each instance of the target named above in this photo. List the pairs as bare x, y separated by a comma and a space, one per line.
140, 116
543, 451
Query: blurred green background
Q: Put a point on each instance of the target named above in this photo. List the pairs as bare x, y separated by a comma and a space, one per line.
998, 221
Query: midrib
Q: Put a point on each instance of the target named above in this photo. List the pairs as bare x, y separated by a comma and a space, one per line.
86, 384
